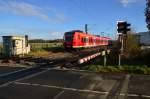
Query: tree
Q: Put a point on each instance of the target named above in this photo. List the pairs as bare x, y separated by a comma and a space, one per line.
132, 46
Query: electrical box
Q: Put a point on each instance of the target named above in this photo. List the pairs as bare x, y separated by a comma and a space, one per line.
15, 46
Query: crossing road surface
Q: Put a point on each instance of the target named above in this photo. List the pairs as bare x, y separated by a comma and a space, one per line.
6, 69
72, 84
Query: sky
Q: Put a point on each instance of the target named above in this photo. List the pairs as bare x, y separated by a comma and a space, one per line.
49, 19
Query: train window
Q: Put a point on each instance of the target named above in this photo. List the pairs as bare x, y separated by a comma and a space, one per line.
68, 39
93, 40
103, 41
68, 36
78, 36
82, 39
100, 41
90, 40
85, 40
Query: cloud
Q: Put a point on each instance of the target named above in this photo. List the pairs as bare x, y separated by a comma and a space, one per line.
127, 2
26, 9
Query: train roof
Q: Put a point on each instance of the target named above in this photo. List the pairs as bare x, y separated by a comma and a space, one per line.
76, 31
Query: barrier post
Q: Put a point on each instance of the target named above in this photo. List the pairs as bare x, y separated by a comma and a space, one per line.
105, 58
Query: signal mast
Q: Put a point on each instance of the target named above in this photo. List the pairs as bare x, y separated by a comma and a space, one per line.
147, 14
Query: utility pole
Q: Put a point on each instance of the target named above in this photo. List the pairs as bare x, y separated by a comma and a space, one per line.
102, 33
86, 28
121, 40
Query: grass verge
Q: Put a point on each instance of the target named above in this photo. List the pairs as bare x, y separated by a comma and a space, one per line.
38, 53
44, 52
119, 69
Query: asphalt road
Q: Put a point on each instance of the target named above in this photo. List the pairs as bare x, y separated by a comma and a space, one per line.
139, 85
69, 84
8, 69
12, 76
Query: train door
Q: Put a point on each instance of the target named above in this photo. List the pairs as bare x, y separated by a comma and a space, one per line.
86, 41
94, 41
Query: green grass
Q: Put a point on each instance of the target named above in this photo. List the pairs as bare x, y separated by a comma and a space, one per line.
38, 53
119, 69
129, 65
44, 49
40, 49
45, 46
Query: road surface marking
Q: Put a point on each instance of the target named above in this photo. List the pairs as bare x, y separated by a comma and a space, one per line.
131, 95
79, 90
75, 70
36, 74
145, 96
63, 88
59, 94
51, 62
26, 77
5, 74
124, 89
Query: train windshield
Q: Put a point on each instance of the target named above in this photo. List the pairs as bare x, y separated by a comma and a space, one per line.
69, 36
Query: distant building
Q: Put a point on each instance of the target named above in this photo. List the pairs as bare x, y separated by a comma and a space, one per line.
15, 45
144, 38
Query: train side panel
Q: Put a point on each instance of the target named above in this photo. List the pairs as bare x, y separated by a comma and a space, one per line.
77, 40
83, 40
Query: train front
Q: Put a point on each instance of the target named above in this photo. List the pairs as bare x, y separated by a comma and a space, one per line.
68, 40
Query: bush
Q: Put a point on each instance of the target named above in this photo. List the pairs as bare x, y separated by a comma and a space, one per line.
132, 47
119, 69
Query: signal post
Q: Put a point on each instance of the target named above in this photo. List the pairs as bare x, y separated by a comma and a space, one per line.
122, 29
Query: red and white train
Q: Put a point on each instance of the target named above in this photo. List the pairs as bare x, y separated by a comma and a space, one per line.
77, 39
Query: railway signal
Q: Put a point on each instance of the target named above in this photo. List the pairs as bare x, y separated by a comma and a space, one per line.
123, 27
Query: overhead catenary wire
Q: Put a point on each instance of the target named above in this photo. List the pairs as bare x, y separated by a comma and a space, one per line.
82, 7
